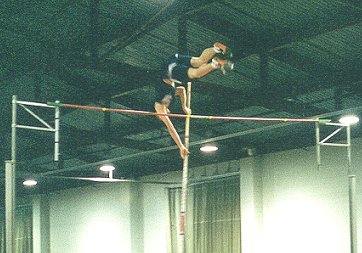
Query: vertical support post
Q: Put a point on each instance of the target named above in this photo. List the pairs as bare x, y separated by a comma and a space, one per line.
352, 195
56, 135
10, 186
318, 145
351, 179
10, 206
352, 212
349, 149
13, 130
185, 176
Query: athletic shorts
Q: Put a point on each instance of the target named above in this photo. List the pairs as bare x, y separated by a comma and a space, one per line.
174, 69
164, 93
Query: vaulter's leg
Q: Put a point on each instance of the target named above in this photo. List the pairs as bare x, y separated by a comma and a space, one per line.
208, 54
205, 69
163, 109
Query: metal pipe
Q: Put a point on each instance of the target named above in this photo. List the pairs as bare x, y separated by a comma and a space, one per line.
349, 149
352, 195
336, 124
36, 116
35, 128
318, 146
13, 130
334, 144
56, 135
34, 104
331, 135
352, 212
10, 206
10, 176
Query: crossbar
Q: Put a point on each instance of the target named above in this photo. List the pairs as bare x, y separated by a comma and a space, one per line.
209, 117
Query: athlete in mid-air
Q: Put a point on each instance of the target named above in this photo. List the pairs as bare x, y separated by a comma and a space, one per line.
175, 73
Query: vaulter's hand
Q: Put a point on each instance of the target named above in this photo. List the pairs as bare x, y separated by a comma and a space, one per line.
187, 110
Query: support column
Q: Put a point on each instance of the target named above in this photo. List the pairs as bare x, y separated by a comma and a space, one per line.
10, 206
136, 218
41, 231
182, 34
251, 206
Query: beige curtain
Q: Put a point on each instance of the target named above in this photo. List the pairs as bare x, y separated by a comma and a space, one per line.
23, 230
213, 217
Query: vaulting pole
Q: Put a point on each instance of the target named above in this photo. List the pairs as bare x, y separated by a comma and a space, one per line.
185, 175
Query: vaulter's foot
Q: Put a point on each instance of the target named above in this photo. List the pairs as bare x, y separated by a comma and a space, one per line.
184, 152
222, 49
223, 64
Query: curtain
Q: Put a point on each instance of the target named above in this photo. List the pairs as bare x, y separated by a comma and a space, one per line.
212, 217
174, 207
23, 230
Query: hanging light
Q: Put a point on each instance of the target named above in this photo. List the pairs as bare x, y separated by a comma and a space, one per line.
209, 148
107, 167
349, 119
30, 182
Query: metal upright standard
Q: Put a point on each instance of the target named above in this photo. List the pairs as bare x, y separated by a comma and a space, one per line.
351, 176
10, 166
185, 176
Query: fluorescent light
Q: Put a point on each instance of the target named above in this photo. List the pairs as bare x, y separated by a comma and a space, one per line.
30, 182
349, 119
209, 148
107, 167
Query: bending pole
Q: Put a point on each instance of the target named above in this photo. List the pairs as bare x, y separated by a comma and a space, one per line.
174, 115
185, 175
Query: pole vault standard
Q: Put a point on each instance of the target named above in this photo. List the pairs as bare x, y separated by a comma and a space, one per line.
10, 166
351, 174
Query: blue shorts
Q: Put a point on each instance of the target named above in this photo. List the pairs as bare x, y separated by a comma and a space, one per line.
174, 69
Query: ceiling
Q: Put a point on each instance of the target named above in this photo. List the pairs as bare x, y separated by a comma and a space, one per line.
293, 59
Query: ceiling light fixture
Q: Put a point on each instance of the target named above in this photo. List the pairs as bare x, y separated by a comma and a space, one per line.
107, 168
349, 119
30, 182
209, 148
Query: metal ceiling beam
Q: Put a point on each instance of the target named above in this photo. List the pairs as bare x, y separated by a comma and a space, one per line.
323, 75
231, 99
169, 11
353, 3
94, 31
271, 38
